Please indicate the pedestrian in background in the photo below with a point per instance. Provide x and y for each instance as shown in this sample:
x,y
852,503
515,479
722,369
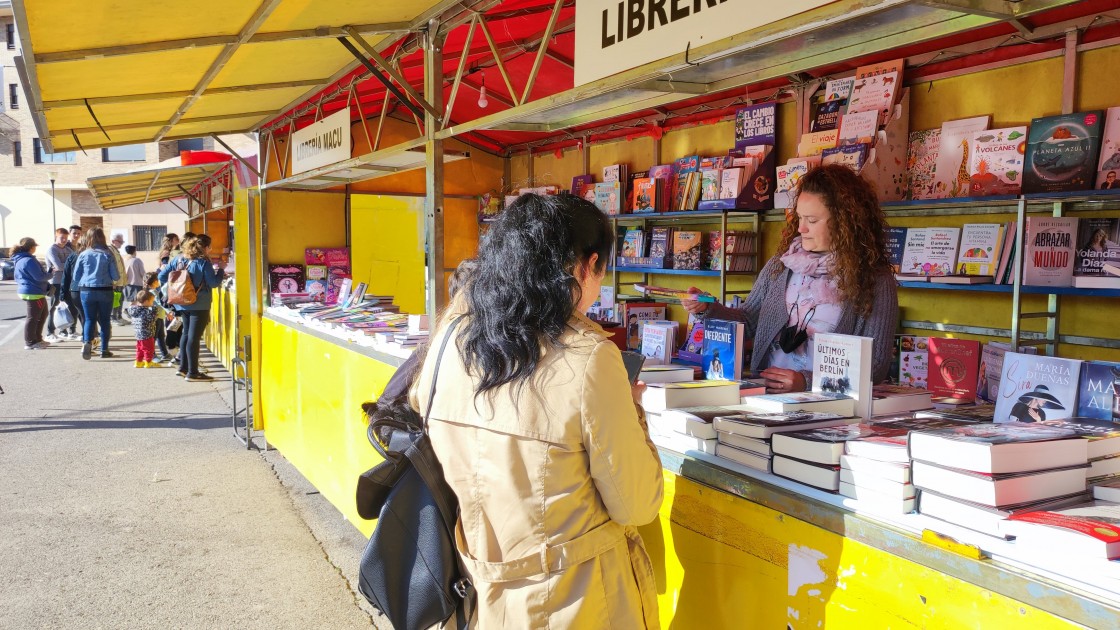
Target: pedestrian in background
x,y
170,244
151,283
134,274
196,260
32,285
95,274
69,290
75,234
119,283
143,314
59,251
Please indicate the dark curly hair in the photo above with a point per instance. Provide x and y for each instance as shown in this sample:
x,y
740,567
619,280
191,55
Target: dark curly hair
x,y
524,290
857,227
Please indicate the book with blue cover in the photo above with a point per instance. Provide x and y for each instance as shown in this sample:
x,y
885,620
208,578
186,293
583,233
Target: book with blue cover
x,y
721,356
896,243
1097,398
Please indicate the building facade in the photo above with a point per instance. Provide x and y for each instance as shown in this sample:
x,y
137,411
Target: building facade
x,y
29,207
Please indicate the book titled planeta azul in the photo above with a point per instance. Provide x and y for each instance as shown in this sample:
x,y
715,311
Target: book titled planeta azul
x,y
1062,152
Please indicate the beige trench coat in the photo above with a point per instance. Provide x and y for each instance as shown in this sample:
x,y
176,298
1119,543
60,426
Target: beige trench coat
x,y
552,481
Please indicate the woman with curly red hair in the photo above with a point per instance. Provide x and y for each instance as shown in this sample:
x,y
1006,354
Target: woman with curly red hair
x,y
831,275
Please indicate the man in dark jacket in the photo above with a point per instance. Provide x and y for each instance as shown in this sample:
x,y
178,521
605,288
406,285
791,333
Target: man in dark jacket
x,y
59,251
32,285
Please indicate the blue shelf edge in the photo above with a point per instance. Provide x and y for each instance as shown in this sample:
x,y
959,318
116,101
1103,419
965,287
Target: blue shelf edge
x,y
1086,195
677,272
683,214
1007,288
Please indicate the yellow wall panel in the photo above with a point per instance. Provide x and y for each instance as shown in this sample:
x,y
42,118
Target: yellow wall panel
x,y
387,249
987,93
1092,92
298,220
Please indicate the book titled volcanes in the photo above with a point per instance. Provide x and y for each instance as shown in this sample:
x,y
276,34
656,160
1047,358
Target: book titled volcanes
x,y
996,161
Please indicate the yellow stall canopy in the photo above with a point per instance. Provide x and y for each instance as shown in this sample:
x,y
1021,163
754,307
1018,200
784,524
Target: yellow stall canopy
x,y
167,180
113,72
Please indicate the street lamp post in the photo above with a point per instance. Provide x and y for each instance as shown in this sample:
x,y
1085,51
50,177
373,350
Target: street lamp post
x,y
54,215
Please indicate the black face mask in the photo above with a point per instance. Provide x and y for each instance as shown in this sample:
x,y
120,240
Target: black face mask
x,y
791,337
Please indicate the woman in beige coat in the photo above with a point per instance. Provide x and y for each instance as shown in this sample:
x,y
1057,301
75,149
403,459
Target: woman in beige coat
x,y
537,429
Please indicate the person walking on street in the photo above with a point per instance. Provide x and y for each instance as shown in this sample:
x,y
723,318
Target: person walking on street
x,y
134,274
143,314
196,316
119,284
32,285
59,251
69,290
95,274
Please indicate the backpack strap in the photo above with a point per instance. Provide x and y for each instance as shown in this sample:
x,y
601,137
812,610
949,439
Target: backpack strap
x,y
435,373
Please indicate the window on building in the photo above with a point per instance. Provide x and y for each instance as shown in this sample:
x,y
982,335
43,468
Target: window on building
x,y
42,157
126,153
11,29
17,153
148,238
13,95
193,144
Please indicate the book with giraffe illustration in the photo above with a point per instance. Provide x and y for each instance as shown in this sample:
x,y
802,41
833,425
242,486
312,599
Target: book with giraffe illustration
x,y
996,161
952,177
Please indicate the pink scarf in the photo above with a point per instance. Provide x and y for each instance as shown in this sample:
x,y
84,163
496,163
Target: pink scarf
x,y
817,268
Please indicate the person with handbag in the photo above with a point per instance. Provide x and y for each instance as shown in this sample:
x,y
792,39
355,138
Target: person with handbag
x,y
195,315
538,430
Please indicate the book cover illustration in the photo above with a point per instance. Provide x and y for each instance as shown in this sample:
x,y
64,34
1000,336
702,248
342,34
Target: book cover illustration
x,y
1097,397
634,313
659,240
645,195
813,143
852,155
996,162
682,169
883,67
842,365
710,183
1062,152
930,251
896,242
633,244
722,352
874,93
1108,170
952,176
954,368
285,278
979,250
613,173
839,89
580,184
1034,388
657,342
858,127
1049,254
489,206
787,177
1098,244
608,197
825,116
687,251
756,124
921,163
731,183
316,272
693,341
913,361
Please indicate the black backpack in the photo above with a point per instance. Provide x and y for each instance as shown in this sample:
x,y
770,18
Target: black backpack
x,y
411,570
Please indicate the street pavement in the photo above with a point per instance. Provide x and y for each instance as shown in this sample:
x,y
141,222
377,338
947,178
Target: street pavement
x,y
126,502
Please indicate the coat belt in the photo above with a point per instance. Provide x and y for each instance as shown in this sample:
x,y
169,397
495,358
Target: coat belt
x,y
551,559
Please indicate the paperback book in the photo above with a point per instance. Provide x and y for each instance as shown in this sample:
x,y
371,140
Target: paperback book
x,y
645,197
896,243
687,250
852,155
825,116
722,352
814,143
1034,388
660,239
764,425
1062,152
633,314
954,368
996,162
1048,256
756,124
874,93
682,169
1098,244
921,163
913,361
930,251
842,365
657,342
838,89
608,197
1108,170
1097,391
980,249
787,177
858,128
952,177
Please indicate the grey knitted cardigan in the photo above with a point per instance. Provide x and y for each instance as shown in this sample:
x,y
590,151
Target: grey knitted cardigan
x,y
765,315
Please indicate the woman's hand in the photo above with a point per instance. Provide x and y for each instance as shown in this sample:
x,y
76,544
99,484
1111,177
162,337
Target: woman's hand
x,y
636,390
693,306
783,381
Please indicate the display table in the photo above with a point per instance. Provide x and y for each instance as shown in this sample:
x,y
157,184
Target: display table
x,y
770,551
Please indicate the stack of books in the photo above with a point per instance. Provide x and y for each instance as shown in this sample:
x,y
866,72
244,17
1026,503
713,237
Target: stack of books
x,y
1103,438
891,399
1077,533
966,472
688,429
744,437
812,457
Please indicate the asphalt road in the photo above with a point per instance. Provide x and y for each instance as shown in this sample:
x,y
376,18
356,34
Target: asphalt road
x,y
125,502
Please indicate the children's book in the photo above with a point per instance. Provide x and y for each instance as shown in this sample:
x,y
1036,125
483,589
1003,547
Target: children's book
x,y
657,342
687,250
327,256
839,89
788,175
633,244
853,155
582,182
285,278
921,163
1108,170
710,184
858,127
633,314
722,351
1063,152
980,249
996,162
1048,255
646,195
814,143
825,116
952,176
874,93
1034,388
608,197
731,183
659,241
684,167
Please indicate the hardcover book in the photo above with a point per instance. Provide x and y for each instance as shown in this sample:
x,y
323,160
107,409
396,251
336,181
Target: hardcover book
x,y
722,352
756,124
645,198
693,341
710,183
999,448
1048,257
687,250
874,93
1034,388
758,191
921,163
858,127
666,176
842,365
608,197
787,177
825,116
317,289
657,342
683,169
853,156
327,256
913,361
814,143
952,177
801,401
580,183
954,368
633,314
839,89
1098,244
1108,170
1103,435
614,173
1062,152
896,243
764,425
823,446
996,161
285,278
316,272
1097,396
883,67
659,240
1091,529
633,243
980,248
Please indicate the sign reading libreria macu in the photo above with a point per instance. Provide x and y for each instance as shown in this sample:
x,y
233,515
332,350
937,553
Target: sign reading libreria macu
x,y
322,143
616,35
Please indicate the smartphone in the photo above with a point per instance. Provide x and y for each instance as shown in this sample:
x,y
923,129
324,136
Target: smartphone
x,y
633,362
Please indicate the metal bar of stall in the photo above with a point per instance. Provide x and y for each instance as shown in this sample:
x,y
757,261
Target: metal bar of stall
x,y
433,172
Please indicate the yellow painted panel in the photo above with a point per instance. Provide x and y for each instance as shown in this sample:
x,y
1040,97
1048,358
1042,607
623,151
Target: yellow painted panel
x,y
79,24
388,247
301,14
986,93
258,101
113,113
65,142
1092,92
292,60
312,391
298,220
709,547
130,74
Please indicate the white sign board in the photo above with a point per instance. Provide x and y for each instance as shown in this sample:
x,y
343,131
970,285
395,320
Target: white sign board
x,y
613,35
322,143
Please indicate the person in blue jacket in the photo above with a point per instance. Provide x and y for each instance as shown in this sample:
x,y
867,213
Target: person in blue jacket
x,y
32,286
94,274
196,317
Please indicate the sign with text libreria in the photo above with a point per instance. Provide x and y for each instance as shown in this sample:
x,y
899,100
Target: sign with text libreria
x,y
322,143
616,35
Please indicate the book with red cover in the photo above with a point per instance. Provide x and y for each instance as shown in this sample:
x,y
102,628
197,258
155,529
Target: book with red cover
x,y
1089,529
954,369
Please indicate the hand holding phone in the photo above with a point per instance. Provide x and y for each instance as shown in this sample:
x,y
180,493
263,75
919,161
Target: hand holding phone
x,y
633,362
